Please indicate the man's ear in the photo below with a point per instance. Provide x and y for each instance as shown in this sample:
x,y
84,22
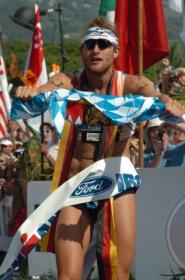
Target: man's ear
x,y
116,52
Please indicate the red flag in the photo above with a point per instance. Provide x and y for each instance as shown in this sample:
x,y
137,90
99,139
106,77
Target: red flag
x,y
36,65
35,69
155,40
5,103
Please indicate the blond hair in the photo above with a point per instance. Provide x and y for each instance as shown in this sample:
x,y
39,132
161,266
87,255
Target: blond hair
x,y
101,22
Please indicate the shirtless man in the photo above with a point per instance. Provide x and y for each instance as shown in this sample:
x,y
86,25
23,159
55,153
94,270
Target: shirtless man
x,y
99,48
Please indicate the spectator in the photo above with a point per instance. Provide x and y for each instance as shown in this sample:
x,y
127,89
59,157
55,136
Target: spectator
x,y
164,76
8,187
27,169
6,147
157,143
50,144
161,151
3,166
12,126
28,166
20,135
172,81
179,135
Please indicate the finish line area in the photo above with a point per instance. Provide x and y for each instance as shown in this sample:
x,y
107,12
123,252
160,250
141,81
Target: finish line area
x,y
160,204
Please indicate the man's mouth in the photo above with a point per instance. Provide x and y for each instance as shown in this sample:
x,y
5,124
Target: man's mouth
x,y
95,59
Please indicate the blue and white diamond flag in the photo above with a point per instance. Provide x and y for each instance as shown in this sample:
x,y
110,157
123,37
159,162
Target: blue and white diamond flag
x,y
128,109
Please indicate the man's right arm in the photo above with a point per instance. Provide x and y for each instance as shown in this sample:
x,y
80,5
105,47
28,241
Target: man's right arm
x,y
59,80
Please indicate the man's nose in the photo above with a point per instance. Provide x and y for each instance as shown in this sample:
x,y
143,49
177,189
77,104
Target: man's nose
x,y
96,48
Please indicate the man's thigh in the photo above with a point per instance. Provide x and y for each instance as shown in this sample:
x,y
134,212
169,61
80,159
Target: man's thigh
x,y
125,227
73,234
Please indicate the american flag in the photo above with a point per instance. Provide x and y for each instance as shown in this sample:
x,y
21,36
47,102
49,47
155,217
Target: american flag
x,y
4,98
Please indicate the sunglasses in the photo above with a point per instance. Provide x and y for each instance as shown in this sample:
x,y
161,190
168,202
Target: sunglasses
x,y
101,43
47,131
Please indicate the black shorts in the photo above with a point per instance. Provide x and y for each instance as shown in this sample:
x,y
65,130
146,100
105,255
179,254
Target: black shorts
x,y
93,212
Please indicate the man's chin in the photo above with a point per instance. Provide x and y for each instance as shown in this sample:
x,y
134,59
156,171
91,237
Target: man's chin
x,y
96,70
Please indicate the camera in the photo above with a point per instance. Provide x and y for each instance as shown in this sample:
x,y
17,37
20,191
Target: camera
x,y
160,135
18,152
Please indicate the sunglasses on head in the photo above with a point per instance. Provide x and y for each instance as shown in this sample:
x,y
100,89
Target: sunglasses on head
x,y
101,43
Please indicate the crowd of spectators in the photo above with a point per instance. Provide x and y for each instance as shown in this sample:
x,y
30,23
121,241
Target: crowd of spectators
x,y
24,158
163,144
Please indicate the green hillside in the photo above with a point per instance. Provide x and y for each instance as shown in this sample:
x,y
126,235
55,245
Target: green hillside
x,y
75,14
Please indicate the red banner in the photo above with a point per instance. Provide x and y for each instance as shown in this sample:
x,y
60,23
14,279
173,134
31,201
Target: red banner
x,y
36,61
155,40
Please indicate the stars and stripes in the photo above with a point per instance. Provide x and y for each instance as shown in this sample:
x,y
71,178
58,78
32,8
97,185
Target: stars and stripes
x,y
4,98
3,117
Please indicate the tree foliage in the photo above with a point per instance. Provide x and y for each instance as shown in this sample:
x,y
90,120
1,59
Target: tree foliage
x,y
52,54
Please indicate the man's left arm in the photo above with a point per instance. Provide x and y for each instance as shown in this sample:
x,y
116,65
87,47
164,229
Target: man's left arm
x,y
143,86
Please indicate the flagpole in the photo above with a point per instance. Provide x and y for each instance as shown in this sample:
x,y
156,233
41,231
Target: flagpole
x,y
140,73
61,36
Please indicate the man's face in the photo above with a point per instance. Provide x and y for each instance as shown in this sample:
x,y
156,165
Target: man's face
x,y
7,149
20,135
2,163
11,125
47,134
31,156
98,59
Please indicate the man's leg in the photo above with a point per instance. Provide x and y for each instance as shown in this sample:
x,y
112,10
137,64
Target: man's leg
x,y
73,234
125,227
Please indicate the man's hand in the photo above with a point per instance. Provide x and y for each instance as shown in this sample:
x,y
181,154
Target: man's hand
x,y
59,80
44,149
172,106
26,92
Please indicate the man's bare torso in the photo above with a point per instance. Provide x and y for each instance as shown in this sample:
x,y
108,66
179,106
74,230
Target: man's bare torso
x,y
85,152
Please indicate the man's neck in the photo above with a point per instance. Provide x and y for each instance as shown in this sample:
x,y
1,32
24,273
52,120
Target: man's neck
x,y
98,82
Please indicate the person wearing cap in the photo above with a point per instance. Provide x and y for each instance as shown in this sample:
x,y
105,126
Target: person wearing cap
x,y
162,148
6,147
99,48
157,141
6,142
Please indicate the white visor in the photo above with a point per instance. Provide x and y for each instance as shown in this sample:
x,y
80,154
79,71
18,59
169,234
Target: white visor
x,y
95,33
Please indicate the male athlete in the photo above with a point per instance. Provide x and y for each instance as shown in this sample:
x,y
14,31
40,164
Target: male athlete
x,y
99,48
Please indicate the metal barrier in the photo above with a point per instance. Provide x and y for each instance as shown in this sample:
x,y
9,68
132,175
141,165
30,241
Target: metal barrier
x,y
5,214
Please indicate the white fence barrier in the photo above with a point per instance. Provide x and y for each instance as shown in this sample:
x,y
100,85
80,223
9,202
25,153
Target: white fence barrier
x,y
5,213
